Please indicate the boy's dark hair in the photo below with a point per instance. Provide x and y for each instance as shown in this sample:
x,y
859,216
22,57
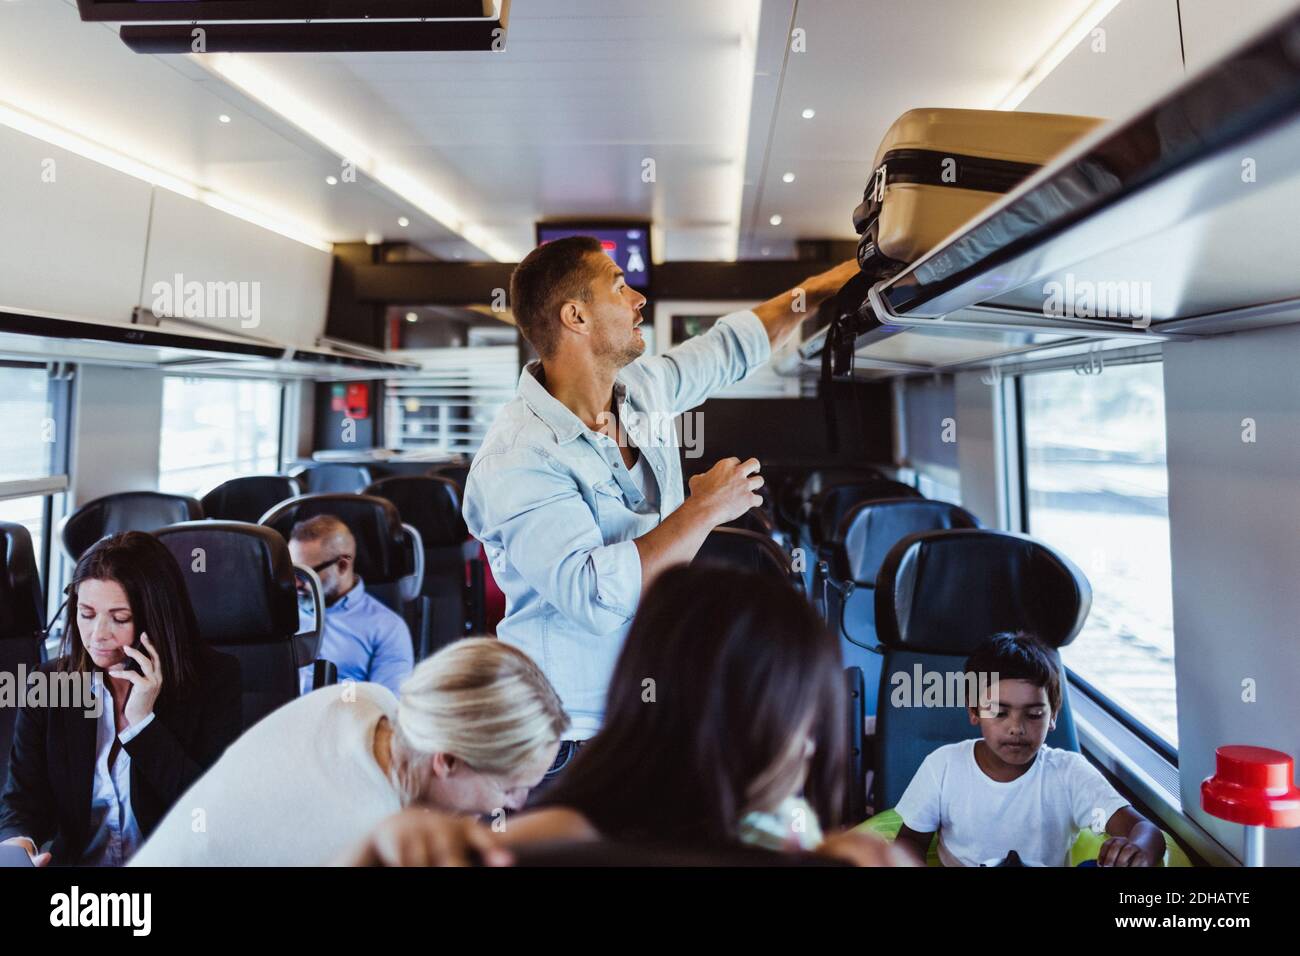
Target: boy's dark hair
x,y
549,276
1019,656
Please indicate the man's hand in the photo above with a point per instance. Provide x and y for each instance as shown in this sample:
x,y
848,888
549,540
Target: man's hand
x,y
727,490
421,837
782,314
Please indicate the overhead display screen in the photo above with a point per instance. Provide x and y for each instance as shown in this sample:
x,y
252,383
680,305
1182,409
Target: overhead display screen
x,y
626,244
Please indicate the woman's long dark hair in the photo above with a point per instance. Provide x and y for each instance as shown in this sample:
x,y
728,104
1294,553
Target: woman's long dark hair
x,y
160,605
739,663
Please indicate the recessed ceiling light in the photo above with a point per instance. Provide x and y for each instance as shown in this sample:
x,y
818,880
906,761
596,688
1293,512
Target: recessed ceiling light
x,y
224,118
333,181
767,250
776,219
411,317
788,178
809,113
403,221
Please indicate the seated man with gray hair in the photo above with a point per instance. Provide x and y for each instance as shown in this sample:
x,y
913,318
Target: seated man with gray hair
x,y
363,638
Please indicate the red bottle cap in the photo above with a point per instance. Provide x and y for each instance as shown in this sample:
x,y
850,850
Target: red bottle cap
x,y
1254,786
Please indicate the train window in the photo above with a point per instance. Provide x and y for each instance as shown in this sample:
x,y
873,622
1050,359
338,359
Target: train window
x,y
1096,487
214,429
28,440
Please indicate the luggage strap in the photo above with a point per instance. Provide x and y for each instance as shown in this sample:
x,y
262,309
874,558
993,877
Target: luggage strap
x,y
934,167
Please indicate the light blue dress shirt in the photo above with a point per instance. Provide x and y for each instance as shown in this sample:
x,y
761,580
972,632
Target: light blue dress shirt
x,y
364,639
557,510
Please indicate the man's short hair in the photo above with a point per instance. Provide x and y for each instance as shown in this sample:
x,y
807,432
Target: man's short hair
x,y
1018,656
548,277
328,530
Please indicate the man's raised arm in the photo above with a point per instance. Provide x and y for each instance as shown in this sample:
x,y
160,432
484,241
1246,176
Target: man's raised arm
x,y
782,314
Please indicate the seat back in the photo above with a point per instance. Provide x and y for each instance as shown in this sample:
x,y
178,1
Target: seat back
x,y
125,511
828,507
939,594
866,534
747,550
248,498
431,504
22,621
457,472
240,580
332,477
389,558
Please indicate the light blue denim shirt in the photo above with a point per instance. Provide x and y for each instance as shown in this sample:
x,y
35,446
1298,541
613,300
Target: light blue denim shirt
x,y
557,510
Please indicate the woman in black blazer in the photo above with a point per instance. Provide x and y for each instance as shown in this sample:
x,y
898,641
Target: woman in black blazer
x,y
97,775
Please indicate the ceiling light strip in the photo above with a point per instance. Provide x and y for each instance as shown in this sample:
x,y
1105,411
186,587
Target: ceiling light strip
x,y
47,132
1056,54
278,97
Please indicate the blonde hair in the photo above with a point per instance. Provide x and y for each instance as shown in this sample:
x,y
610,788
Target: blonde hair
x,y
480,700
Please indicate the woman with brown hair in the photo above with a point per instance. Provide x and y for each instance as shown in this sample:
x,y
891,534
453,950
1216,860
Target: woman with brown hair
x,y
95,778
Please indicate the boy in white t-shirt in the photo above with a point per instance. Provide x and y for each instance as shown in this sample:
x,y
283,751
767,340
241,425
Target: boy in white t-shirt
x,y
1005,791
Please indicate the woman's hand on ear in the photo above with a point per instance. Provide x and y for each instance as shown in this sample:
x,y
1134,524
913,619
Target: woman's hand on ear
x,y
146,685
422,837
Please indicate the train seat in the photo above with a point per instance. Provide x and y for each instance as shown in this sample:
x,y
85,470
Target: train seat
x,y
248,498
332,477
938,595
219,559
432,505
124,511
747,550
846,584
22,620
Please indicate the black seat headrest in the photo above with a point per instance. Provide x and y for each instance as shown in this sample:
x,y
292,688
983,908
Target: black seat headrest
x,y
456,472
333,477
820,479
828,507
383,554
429,503
240,580
944,592
125,511
21,614
248,498
871,528
747,550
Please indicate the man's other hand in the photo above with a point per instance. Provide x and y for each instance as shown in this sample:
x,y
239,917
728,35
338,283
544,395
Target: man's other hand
x,y
728,489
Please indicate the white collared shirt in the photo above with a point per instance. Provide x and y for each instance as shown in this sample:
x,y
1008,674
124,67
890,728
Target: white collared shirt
x,y
115,834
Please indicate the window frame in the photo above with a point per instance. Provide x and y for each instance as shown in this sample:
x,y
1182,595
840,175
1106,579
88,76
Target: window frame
x,y
1017,446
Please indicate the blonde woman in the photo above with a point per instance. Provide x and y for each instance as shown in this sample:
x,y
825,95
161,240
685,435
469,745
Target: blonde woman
x,y
476,729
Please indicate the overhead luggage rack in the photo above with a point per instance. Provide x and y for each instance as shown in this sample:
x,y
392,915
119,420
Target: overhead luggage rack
x,y
1181,220
171,345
